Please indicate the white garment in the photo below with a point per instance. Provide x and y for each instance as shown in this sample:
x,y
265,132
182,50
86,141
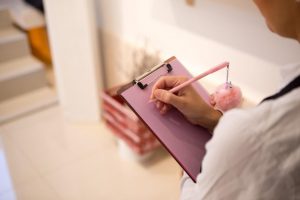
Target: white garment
x,y
254,153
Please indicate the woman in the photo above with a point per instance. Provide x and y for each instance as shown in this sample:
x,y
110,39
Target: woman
x,y
254,154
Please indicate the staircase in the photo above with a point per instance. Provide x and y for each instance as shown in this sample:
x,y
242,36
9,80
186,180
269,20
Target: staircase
x,y
23,84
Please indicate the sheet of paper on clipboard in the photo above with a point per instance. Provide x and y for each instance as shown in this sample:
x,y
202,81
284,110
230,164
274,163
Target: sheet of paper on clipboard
x,y
184,141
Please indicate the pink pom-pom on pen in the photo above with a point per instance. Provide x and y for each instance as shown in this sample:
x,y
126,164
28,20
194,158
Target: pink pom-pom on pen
x,y
226,97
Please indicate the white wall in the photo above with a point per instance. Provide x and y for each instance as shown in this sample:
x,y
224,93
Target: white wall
x,y
74,47
204,35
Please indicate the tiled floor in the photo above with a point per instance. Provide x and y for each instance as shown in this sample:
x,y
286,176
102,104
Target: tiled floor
x,y
44,157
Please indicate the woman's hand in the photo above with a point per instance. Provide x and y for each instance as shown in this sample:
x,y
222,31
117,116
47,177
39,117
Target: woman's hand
x,y
187,101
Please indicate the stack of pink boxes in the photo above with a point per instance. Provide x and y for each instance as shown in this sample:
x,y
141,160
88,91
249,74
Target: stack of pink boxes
x,y
126,125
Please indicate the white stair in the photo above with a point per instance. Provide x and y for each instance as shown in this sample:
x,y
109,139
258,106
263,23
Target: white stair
x,y
27,103
21,75
13,44
5,18
23,84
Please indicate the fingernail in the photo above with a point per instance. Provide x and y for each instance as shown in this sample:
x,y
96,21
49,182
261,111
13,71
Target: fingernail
x,y
158,105
164,108
163,111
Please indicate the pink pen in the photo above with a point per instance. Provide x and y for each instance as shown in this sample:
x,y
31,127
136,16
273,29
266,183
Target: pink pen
x,y
196,78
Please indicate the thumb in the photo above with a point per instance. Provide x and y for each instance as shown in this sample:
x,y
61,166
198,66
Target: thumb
x,y
167,97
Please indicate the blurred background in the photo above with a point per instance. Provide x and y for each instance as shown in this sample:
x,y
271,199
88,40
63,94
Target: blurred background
x,y
65,134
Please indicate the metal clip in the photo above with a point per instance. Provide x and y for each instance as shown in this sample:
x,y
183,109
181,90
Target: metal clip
x,y
138,79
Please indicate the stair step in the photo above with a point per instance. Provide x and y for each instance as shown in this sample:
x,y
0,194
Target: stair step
x,y
21,75
27,17
27,103
13,44
5,18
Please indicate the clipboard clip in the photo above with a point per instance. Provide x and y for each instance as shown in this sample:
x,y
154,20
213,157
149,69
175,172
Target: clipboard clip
x,y
144,85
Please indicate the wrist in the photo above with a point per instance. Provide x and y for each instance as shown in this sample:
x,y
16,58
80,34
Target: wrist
x,y
211,119
214,119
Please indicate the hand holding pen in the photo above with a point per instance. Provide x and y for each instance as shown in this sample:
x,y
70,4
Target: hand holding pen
x,y
177,91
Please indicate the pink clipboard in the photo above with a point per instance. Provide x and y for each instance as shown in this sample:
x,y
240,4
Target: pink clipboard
x,y
184,141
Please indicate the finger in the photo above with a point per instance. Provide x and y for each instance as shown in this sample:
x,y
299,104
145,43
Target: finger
x,y
165,109
167,82
168,97
159,105
212,100
160,84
